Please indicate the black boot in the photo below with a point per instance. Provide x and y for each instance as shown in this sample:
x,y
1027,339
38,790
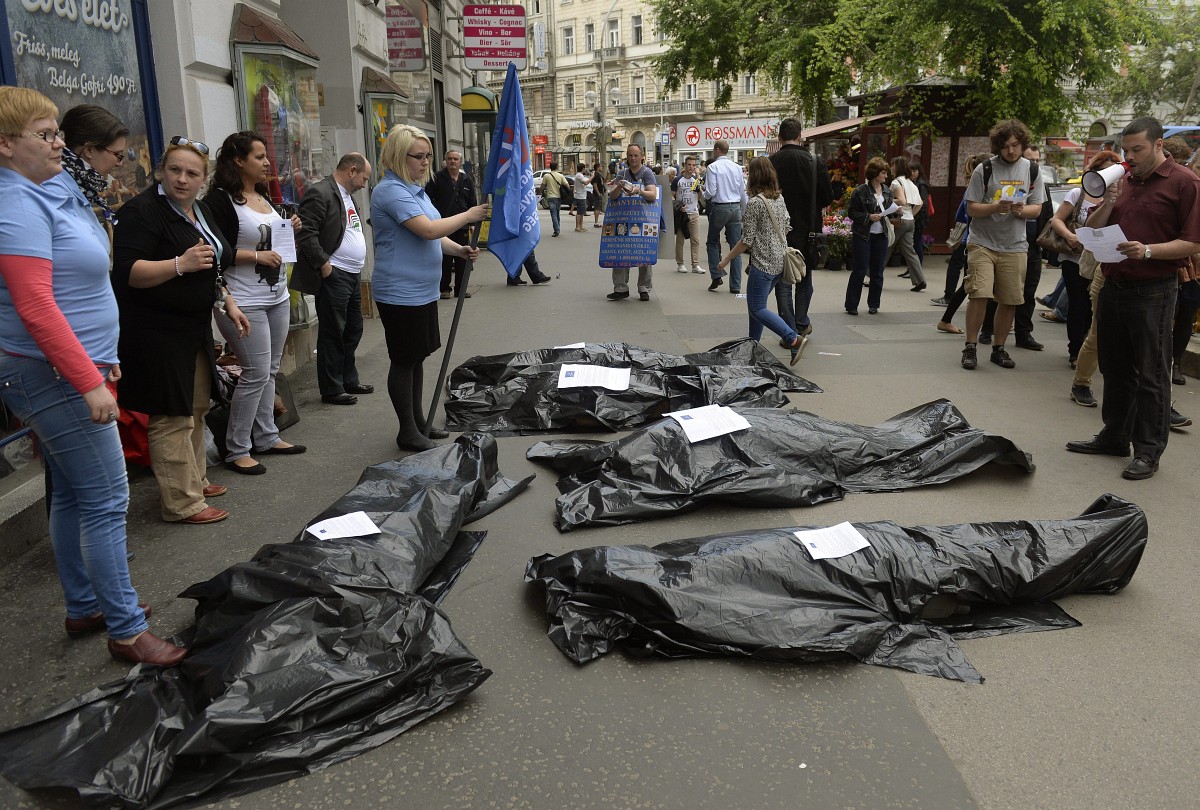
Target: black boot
x,y
400,389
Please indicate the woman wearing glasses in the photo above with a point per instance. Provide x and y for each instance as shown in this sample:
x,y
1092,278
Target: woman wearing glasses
x,y
410,238
96,144
167,263
58,346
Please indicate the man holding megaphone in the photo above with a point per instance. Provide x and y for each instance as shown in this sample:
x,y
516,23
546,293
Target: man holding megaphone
x,y
1158,209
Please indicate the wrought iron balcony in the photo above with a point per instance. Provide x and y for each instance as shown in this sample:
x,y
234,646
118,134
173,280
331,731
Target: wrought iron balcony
x,y
615,54
664,107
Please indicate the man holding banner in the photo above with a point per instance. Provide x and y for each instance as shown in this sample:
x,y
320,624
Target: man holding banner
x,y
635,180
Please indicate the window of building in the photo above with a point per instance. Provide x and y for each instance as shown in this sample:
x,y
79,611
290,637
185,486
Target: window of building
x,y
569,96
637,29
614,33
589,37
590,100
639,91
749,85
535,7
690,92
568,40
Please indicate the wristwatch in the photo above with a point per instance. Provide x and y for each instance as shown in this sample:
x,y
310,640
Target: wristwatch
x,y
1147,256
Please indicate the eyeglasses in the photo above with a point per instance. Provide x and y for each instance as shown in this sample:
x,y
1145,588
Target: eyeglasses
x,y
424,156
179,140
120,156
47,135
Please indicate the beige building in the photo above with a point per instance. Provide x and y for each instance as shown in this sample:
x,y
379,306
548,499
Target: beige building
x,y
590,44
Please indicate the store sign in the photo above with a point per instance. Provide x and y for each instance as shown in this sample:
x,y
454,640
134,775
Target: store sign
x,y
541,139
493,36
405,40
84,52
742,133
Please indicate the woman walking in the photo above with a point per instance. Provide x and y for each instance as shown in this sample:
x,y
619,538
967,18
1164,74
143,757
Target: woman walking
x,y
909,199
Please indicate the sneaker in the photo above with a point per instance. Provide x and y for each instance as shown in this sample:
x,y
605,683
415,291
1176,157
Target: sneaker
x,y
1178,420
716,282
797,349
969,358
698,269
985,338
805,330
1001,358
680,269
1027,342
617,296
1082,395
643,295
939,302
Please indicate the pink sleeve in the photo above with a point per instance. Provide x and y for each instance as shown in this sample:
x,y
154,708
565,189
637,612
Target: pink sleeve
x,y
30,281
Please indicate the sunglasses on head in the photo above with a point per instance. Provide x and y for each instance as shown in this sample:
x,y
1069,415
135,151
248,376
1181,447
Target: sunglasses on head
x,y
179,140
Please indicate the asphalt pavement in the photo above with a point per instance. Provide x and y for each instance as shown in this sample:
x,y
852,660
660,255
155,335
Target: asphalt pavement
x,y
1104,715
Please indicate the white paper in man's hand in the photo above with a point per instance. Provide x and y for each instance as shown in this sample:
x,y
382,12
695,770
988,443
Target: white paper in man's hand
x,y
711,420
832,541
582,376
1102,242
355,524
283,239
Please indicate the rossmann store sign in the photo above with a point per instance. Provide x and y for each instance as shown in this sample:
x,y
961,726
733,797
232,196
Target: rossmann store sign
x,y
742,133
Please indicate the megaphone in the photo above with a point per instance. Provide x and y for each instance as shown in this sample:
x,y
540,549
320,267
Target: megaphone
x,y
1096,182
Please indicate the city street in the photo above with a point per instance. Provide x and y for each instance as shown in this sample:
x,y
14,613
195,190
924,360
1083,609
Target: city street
x,y
1101,716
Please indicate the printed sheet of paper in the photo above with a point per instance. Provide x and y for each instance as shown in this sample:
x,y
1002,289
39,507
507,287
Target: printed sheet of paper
x,y
355,524
832,541
579,345
1102,242
711,420
581,376
283,239
891,209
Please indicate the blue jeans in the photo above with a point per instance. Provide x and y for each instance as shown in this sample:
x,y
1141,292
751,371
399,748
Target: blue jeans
x,y
758,288
867,259
1133,342
727,216
89,495
553,206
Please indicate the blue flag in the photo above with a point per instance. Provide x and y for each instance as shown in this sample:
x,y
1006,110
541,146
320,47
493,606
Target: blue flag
x,y
514,230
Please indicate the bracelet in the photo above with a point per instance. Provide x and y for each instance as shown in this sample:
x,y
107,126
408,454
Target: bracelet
x,y
256,257
178,272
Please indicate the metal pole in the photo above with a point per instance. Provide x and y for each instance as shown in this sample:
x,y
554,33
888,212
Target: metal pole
x,y
602,133
458,305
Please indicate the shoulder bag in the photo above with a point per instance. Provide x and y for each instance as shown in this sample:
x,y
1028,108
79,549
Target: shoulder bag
x,y
1050,239
794,268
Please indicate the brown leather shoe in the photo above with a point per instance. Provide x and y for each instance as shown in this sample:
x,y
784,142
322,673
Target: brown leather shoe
x,y
147,649
215,490
209,514
91,624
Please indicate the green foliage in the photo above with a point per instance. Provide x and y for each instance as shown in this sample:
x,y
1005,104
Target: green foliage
x,y
1016,54
1164,70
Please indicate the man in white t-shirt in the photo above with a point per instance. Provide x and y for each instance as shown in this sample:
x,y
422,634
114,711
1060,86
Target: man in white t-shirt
x,y
582,182
331,254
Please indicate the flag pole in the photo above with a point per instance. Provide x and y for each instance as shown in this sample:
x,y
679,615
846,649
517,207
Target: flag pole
x,y
458,306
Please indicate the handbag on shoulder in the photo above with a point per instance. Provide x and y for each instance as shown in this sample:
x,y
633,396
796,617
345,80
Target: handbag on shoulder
x,y
1050,239
794,268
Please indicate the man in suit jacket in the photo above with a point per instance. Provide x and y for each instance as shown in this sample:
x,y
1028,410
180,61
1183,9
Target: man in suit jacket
x,y
331,253
798,169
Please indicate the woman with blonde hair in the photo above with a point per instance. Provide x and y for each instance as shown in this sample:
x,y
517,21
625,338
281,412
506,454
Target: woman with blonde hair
x,y
764,233
58,349
410,238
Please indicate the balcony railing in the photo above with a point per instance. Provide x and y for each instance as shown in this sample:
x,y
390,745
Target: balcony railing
x,y
663,107
614,54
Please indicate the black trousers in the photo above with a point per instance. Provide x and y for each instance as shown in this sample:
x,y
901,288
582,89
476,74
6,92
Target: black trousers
x,y
339,329
1079,305
1133,342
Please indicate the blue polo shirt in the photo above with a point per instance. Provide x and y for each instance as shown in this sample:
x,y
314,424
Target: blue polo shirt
x,y
408,269
55,222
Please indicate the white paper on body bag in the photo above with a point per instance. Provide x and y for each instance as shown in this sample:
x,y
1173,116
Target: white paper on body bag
x,y
579,345
355,524
711,420
283,239
832,541
573,375
1102,242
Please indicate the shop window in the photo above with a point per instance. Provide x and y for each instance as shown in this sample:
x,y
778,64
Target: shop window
x,y
279,102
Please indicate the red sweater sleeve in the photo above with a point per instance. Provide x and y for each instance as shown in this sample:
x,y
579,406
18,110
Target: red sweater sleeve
x,y
30,281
